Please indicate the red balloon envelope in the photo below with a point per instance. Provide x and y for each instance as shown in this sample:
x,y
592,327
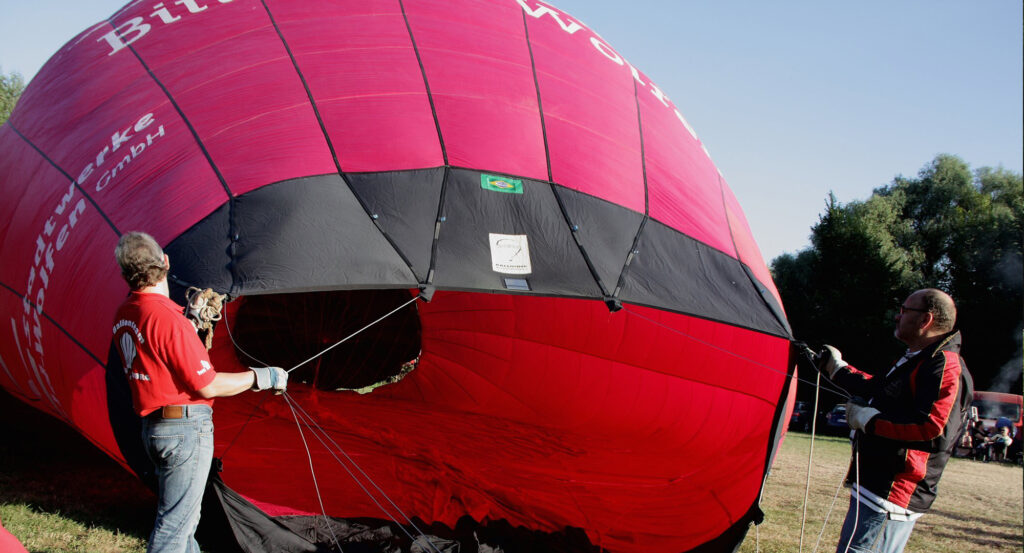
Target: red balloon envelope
x,y
603,362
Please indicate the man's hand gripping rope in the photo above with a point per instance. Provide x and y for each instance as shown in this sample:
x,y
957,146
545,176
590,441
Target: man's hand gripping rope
x,y
203,308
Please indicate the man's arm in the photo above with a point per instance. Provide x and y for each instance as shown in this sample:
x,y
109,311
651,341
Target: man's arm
x,y
937,386
854,381
228,384
830,362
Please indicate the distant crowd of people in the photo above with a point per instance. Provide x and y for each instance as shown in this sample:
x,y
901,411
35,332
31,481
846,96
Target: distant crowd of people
x,y
987,443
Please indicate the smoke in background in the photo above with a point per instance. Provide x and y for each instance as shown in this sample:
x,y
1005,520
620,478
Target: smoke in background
x,y
1013,370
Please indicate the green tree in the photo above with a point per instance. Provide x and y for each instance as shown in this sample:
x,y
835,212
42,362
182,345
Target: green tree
x,y
11,87
948,228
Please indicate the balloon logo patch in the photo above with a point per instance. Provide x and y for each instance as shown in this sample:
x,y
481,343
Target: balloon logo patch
x,y
510,254
501,184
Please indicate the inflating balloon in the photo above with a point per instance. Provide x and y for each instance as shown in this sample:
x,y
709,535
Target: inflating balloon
x,y
603,361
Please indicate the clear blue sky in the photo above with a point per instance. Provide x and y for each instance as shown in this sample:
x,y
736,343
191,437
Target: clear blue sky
x,y
792,98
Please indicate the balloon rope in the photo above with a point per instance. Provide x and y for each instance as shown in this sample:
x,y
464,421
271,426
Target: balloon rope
x,y
810,458
318,431
856,477
757,538
836,391
300,414
265,364
856,472
343,340
312,473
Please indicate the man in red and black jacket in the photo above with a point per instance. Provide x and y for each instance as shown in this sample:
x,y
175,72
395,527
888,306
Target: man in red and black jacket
x,y
907,420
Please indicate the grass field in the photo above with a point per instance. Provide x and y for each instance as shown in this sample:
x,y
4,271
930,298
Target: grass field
x,y
59,494
979,509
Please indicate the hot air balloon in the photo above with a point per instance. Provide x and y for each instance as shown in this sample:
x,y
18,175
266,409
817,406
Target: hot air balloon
x,y
565,311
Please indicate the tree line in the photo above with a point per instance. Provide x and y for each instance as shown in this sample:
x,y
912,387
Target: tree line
x,y
11,87
950,228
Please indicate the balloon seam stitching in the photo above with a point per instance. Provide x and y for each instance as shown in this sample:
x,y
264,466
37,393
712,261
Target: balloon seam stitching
x,y
233,234
574,229
330,143
70,179
438,222
633,252
54,322
426,82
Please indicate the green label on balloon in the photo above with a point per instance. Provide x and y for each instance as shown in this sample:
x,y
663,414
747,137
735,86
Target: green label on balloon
x,y
501,184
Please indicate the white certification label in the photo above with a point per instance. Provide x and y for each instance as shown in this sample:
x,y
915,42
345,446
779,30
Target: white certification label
x,y
510,254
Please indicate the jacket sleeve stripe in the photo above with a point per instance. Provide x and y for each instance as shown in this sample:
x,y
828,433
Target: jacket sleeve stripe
x,y
853,380
915,467
941,405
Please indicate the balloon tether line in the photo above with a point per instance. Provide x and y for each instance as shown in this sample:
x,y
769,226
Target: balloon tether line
x,y
317,431
265,364
310,423
312,473
345,339
838,390
810,458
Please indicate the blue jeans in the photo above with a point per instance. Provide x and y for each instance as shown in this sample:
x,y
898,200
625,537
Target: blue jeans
x,y
875,532
182,451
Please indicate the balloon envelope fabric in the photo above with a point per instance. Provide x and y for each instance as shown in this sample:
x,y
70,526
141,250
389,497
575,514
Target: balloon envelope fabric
x,y
604,355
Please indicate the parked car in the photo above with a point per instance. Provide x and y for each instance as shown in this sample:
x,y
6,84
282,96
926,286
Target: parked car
x,y
835,421
801,417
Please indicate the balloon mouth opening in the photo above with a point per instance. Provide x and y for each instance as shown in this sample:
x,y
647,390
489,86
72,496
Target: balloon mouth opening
x,y
286,330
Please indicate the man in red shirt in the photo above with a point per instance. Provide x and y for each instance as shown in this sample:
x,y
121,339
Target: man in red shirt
x,y
173,385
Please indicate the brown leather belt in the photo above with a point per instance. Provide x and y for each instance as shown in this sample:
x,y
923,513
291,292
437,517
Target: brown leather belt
x,y
173,412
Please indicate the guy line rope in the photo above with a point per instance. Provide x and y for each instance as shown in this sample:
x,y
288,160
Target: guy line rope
x,y
304,418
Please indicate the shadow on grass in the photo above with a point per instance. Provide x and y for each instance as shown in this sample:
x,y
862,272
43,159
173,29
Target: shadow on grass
x,y
997,541
53,469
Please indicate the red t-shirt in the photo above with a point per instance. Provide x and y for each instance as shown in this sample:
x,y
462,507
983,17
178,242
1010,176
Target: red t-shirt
x,y
165,361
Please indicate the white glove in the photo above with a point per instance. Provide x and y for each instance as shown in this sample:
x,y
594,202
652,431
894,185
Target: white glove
x,y
858,416
830,361
194,307
270,378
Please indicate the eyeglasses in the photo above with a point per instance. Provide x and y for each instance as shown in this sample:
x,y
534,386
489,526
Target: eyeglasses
x,y
904,308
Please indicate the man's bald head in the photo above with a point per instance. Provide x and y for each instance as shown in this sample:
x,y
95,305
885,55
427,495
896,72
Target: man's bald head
x,y
941,306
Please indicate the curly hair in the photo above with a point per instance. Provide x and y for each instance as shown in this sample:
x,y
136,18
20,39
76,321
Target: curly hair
x,y
141,260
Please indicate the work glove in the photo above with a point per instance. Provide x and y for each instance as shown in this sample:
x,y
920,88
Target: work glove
x,y
268,378
859,415
829,361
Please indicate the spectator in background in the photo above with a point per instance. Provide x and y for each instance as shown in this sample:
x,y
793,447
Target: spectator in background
x,y
981,442
1000,444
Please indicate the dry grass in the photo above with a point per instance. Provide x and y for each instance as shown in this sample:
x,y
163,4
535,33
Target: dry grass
x,y
59,494
979,509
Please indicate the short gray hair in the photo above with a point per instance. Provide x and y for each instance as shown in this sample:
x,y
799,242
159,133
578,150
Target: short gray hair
x,y
942,308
